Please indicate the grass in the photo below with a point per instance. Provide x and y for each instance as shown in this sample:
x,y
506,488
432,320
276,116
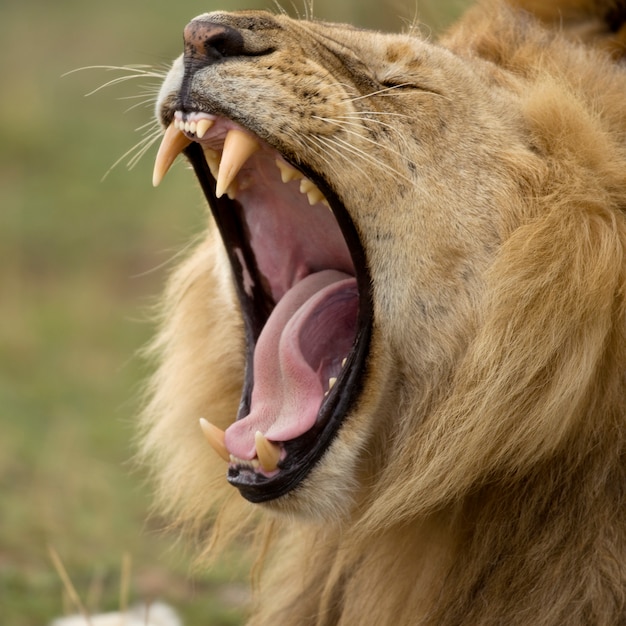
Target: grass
x,y
81,262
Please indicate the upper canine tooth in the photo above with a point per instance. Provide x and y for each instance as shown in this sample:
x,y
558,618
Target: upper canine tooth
x,y
202,127
215,437
172,144
267,452
239,146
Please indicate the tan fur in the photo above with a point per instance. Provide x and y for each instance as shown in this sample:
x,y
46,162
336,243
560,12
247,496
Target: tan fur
x,y
481,477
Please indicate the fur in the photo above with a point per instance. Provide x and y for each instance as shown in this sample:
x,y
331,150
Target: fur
x,y
481,477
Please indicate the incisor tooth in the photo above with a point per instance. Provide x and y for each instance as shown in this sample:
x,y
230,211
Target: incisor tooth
x,y
239,146
215,437
202,127
267,452
331,382
172,144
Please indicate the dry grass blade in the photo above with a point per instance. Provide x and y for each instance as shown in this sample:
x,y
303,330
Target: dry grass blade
x,y
67,583
125,582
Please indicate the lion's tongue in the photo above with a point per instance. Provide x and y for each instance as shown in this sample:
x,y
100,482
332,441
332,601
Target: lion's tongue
x,y
303,342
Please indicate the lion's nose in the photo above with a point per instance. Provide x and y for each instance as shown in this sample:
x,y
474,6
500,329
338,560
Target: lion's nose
x,y
207,42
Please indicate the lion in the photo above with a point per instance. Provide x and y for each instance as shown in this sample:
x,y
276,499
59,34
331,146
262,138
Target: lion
x,y
404,332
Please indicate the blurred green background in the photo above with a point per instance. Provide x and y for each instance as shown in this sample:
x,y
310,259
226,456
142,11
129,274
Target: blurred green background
x,y
83,258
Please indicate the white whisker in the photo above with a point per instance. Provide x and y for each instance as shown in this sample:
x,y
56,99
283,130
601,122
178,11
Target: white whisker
x,y
365,119
376,93
367,114
361,137
345,148
329,145
132,72
148,103
280,8
145,98
152,132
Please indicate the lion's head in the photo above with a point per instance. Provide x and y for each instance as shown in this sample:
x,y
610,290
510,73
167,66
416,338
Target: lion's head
x,y
411,297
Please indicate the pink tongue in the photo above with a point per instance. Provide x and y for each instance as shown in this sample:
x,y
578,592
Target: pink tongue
x,y
313,321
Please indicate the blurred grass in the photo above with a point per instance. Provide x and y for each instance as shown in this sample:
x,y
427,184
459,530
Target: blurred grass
x,y
81,261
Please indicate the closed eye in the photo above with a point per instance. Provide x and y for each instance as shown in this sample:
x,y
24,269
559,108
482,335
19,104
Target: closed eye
x,y
398,84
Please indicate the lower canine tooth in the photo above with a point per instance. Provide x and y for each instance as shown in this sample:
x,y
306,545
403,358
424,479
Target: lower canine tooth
x,y
267,452
215,437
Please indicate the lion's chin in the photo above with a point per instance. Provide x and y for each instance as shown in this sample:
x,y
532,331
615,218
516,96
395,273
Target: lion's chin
x,y
304,292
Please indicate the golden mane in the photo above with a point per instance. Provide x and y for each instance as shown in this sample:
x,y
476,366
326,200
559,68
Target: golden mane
x,y
490,484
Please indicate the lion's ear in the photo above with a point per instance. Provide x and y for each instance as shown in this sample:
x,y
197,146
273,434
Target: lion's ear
x,y
550,342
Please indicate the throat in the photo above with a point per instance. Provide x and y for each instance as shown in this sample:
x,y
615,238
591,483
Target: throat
x,y
297,358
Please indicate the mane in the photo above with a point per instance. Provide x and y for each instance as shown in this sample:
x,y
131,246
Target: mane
x,y
531,424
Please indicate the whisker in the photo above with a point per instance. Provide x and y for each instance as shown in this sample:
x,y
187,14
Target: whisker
x,y
365,118
367,114
347,147
326,144
341,120
387,92
369,159
296,10
150,94
376,93
132,72
280,8
325,158
146,103
348,131
143,70
116,81
145,98
138,150
132,162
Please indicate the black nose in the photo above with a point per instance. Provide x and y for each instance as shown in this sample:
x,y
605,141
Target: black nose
x,y
207,42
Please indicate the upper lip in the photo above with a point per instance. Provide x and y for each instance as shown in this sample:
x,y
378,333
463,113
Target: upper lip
x,y
235,168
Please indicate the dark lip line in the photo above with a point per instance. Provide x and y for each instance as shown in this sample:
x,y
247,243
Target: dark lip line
x,y
303,452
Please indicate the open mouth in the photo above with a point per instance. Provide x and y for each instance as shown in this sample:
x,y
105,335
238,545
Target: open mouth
x,y
304,291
